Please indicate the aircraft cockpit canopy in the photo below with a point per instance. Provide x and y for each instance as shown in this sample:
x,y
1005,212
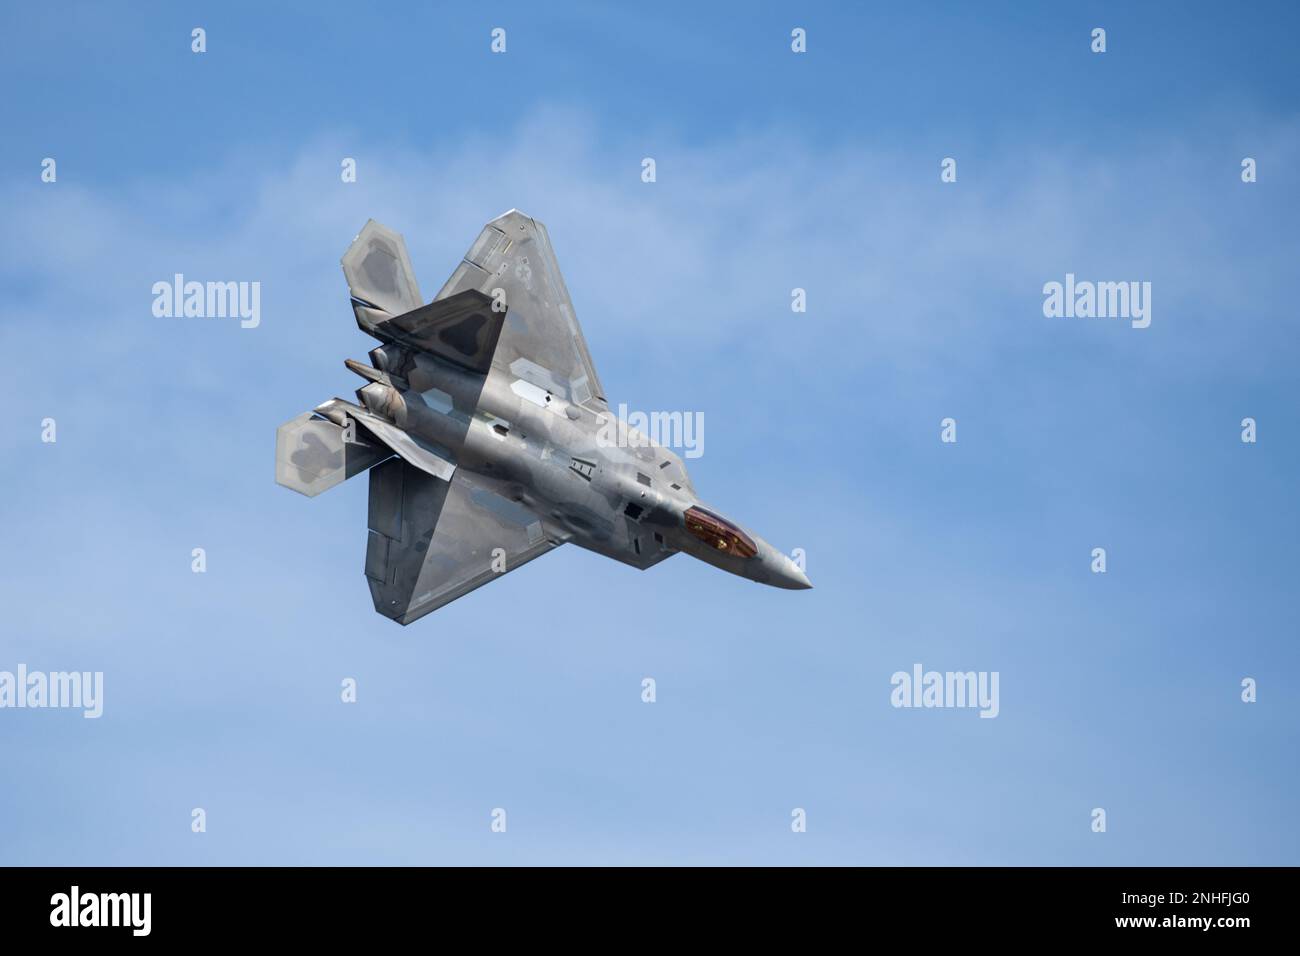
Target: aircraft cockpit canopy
x,y
719,533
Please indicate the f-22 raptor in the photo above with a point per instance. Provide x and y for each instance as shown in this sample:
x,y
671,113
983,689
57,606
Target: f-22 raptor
x,y
487,435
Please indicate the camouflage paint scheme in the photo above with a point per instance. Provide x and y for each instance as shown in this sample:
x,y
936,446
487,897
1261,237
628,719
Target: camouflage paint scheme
x,y
485,430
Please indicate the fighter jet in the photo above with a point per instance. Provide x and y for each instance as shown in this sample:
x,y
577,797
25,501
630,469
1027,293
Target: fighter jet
x,y
487,435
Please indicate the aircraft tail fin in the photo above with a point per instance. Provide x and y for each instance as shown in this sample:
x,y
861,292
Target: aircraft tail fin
x,y
380,277
462,328
313,453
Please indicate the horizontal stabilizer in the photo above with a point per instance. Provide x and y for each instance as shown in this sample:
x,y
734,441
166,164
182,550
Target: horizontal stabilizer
x,y
462,328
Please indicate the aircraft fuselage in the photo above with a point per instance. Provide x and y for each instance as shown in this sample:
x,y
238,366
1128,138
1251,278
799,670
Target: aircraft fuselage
x,y
556,458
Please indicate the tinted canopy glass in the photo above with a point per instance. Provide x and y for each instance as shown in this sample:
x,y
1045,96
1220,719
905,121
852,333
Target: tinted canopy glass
x,y
719,533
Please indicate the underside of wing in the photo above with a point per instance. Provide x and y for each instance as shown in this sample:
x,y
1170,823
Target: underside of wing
x,y
432,541
513,262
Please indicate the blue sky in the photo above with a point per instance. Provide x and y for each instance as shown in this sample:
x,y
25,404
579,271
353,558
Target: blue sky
x,y
775,171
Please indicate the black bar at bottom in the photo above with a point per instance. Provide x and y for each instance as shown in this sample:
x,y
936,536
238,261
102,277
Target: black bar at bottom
x,y
331,904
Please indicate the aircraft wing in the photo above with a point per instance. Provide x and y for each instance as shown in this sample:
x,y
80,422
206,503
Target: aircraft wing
x,y
541,342
432,541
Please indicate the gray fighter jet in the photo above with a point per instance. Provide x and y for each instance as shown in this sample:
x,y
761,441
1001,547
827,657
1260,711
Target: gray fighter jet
x,y
487,435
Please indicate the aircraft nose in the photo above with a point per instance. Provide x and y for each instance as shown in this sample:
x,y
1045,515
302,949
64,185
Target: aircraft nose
x,y
799,580
783,572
